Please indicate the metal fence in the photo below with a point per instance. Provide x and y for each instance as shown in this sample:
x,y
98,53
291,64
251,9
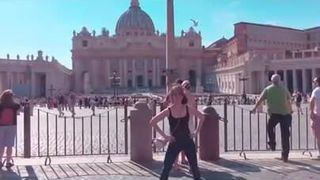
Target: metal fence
x,y
245,131
46,134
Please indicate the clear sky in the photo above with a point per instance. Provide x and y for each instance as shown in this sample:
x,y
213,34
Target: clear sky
x,y
29,25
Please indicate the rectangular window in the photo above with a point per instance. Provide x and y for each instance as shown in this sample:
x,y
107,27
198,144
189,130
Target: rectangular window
x,y
84,43
163,81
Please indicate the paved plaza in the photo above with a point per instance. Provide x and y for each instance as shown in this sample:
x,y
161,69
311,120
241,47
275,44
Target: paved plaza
x,y
229,167
67,136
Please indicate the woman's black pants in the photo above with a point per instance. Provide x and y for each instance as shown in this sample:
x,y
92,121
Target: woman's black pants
x,y
184,144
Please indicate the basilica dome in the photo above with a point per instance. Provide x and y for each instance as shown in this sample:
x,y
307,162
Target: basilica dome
x,y
135,22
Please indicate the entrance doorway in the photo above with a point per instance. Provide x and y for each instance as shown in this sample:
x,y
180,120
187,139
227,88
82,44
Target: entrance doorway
x,y
140,81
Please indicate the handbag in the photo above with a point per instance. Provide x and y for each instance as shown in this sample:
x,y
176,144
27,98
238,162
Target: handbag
x,y
159,143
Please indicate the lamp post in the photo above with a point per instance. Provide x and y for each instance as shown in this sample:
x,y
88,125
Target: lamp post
x,y
244,96
115,80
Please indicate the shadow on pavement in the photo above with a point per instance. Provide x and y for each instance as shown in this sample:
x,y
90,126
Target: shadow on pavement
x,y
155,168
306,167
9,174
237,166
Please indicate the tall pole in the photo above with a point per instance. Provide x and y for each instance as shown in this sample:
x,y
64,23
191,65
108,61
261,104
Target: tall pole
x,y
170,45
244,96
243,79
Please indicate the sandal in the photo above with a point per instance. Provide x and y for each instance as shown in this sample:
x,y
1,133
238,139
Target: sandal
x,y
9,165
176,167
185,162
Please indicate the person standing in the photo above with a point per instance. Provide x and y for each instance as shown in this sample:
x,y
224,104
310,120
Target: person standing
x,y
279,110
72,103
191,102
298,100
60,105
8,126
180,138
315,112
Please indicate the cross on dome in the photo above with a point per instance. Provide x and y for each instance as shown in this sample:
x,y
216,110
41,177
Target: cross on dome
x,y
135,3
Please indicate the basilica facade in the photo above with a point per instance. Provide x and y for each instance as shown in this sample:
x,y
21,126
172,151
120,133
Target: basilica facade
x,y
135,56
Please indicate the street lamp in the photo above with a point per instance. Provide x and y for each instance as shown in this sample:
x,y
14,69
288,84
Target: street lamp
x,y
244,96
115,82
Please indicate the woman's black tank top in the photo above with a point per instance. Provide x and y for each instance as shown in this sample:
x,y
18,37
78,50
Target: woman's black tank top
x,y
179,127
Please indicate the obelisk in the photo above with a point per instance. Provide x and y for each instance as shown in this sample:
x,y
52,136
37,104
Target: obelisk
x,y
170,46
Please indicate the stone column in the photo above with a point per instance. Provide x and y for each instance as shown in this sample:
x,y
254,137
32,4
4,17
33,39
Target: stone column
x,y
146,74
125,75
294,78
15,79
9,80
33,84
262,81
50,81
199,73
285,81
170,44
159,72
134,73
304,81
108,74
314,73
209,136
120,72
154,73
141,133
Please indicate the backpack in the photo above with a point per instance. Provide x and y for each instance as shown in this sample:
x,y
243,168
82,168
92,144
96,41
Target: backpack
x,y
299,98
7,117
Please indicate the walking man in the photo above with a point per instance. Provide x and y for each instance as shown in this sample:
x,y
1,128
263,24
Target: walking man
x,y
279,110
315,111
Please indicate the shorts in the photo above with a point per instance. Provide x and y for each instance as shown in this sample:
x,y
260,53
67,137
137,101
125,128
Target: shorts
x,y
316,127
7,136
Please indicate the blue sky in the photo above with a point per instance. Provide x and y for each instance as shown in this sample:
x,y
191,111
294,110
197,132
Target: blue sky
x,y
29,25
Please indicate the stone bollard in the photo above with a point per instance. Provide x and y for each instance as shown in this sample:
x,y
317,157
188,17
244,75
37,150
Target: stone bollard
x,y
27,131
141,133
209,135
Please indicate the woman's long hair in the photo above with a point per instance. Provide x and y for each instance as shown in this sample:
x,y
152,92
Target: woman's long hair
x,y
6,97
177,89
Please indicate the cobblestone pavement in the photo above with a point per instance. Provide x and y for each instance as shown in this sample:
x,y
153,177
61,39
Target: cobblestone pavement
x,y
224,169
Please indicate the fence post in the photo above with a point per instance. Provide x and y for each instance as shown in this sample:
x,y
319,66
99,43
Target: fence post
x,y
225,124
141,133
126,126
27,131
154,112
209,135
